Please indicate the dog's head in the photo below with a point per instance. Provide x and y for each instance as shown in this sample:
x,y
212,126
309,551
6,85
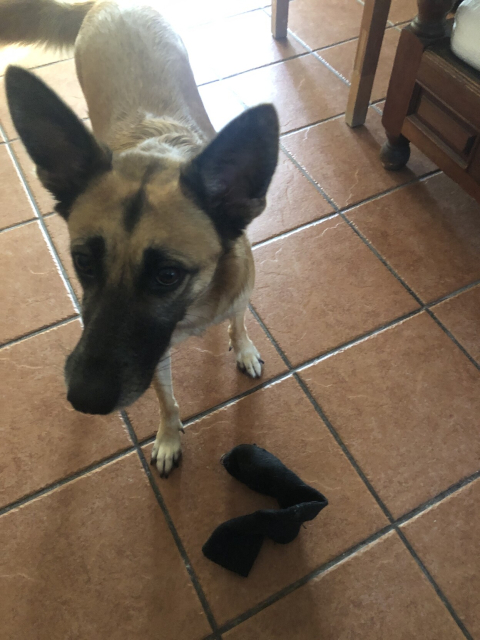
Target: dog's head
x,y
147,230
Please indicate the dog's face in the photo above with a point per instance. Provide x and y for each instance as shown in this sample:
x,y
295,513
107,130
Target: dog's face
x,y
147,231
143,252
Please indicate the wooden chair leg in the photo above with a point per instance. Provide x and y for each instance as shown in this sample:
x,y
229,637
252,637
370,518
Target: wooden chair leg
x,y
374,22
279,18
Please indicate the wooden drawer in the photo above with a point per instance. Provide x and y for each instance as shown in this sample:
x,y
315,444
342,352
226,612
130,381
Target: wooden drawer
x,y
443,125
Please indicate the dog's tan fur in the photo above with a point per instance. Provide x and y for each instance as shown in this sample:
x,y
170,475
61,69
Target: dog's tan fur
x,y
144,105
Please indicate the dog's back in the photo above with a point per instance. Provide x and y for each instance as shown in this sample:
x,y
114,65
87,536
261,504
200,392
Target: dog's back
x,y
130,62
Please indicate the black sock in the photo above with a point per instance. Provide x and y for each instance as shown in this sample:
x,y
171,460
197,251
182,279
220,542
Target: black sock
x,y
236,543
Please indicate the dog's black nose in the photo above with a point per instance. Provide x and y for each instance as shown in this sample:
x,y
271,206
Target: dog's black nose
x,y
93,394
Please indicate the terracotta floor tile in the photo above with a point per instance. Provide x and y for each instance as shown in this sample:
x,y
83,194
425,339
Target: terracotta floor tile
x,y
380,593
428,232
292,201
321,287
44,200
320,23
29,57
222,105
14,204
200,494
44,439
32,292
58,230
238,44
345,161
446,539
62,78
95,559
342,57
461,316
293,87
204,375
403,10
406,403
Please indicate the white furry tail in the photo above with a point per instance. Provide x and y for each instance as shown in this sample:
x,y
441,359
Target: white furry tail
x,y
44,22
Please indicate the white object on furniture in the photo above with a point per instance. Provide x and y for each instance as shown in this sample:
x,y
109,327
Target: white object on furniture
x,y
465,40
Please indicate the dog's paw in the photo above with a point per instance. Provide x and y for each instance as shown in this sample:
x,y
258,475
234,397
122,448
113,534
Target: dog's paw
x,y
167,452
249,361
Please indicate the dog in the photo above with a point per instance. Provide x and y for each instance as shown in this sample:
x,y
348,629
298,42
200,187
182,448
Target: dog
x,y
155,201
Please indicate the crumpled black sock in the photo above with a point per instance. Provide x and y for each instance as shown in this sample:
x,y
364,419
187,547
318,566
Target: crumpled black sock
x,y
235,544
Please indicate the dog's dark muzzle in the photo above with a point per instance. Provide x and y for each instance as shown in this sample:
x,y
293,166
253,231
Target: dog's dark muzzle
x,y
115,359
93,386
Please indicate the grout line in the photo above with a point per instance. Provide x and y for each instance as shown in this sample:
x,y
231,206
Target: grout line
x,y
344,448
226,403
171,525
305,173
430,579
304,127
426,506
60,483
332,69
382,259
308,51
448,296
453,339
315,52
37,332
19,224
352,343
291,232
337,210
43,227
302,54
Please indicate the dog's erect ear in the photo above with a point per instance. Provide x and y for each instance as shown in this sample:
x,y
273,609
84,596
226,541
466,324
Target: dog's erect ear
x,y
230,177
65,152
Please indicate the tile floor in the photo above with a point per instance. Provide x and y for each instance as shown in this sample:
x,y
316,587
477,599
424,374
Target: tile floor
x,y
367,312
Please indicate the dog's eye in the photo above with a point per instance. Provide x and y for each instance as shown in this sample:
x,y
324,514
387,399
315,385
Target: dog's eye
x,y
168,276
84,264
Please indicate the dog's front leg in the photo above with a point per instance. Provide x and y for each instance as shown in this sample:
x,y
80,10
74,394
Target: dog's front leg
x,y
167,449
248,358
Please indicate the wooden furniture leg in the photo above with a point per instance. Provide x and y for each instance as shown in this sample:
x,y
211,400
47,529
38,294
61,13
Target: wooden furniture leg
x,y
428,26
279,18
374,22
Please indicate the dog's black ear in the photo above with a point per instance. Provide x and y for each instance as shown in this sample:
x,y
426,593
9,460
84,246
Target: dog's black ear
x,y
66,154
230,177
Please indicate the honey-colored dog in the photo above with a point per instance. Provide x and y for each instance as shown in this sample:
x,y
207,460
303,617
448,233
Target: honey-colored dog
x,y
156,203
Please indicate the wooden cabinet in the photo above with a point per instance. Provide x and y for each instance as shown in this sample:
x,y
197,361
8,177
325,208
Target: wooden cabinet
x,y
433,100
